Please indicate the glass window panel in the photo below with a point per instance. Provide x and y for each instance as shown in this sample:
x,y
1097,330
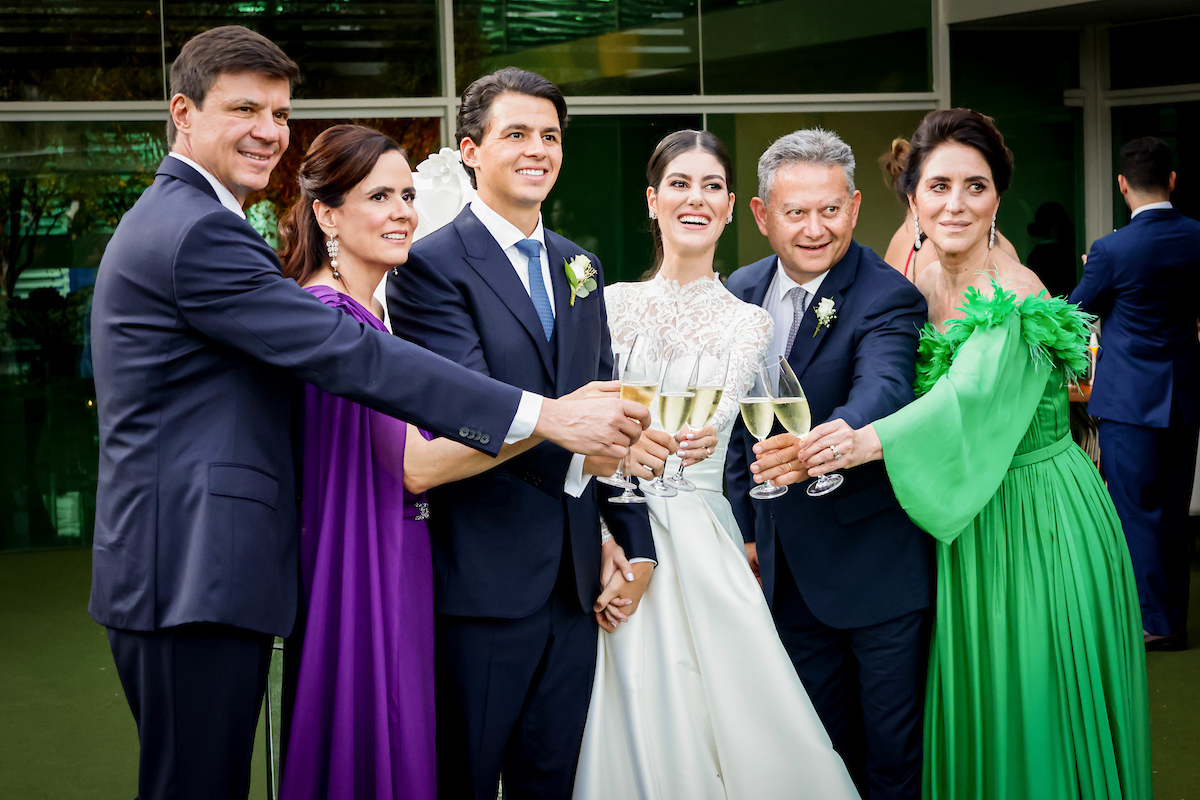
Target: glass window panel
x,y
793,46
1177,124
1172,44
65,186
345,48
599,201
869,134
80,50
587,47
1044,205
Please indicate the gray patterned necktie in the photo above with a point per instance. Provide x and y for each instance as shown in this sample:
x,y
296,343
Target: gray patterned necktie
x,y
799,299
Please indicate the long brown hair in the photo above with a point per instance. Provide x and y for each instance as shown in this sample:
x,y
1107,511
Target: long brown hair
x,y
671,147
339,159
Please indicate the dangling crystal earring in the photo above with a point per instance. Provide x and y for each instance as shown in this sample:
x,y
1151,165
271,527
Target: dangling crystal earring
x,y
992,234
653,214
916,232
729,220
332,247
395,270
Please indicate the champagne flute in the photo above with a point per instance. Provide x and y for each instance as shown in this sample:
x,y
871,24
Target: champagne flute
x,y
618,478
759,417
711,371
676,394
639,384
791,408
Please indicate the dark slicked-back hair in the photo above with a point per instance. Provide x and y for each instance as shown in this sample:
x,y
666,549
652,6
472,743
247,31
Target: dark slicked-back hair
x,y
670,148
958,126
474,114
339,159
229,49
1146,164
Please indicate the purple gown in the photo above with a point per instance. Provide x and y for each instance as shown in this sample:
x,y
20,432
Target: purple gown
x,y
362,722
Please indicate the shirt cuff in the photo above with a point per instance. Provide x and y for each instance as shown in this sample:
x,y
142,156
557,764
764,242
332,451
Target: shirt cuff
x,y
576,481
643,560
525,420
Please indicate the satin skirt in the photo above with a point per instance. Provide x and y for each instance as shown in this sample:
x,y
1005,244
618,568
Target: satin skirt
x,y
695,697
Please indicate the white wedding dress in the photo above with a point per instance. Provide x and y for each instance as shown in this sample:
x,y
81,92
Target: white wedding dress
x,y
695,697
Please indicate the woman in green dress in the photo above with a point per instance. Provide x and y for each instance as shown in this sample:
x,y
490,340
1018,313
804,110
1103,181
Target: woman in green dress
x,y
1037,677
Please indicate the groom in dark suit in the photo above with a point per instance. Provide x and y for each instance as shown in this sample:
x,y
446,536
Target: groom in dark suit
x,y
198,341
848,576
517,551
1144,283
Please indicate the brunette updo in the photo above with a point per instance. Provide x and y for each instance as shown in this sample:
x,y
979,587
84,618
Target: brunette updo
x,y
892,163
339,159
670,148
958,126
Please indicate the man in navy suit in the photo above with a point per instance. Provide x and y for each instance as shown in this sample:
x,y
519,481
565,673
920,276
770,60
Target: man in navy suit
x,y
1143,282
197,342
847,575
516,552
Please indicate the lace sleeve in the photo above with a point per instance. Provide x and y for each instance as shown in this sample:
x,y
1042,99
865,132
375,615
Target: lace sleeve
x,y
750,340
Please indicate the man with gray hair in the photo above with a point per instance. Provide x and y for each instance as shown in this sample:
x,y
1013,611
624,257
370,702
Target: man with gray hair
x,y
847,575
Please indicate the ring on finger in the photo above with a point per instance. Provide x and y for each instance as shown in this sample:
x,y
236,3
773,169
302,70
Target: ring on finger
x,y
836,455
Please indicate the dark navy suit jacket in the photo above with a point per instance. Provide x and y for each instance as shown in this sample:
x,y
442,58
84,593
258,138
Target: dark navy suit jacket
x,y
197,339
498,537
1143,281
857,558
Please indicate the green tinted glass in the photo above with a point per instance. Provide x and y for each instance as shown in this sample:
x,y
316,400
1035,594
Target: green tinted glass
x,y
80,50
587,47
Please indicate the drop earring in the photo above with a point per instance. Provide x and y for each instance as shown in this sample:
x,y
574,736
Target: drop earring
x,y
332,247
916,232
992,234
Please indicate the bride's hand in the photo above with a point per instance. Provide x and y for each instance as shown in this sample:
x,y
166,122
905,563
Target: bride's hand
x,y
695,446
603,390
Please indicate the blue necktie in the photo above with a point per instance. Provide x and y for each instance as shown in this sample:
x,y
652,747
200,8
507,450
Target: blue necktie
x,y
532,249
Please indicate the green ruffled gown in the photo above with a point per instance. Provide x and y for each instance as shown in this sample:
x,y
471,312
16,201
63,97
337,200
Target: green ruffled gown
x,y
1037,676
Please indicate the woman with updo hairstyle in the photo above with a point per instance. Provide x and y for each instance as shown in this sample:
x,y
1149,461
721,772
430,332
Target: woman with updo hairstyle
x,y
672,713
904,251
1037,675
358,670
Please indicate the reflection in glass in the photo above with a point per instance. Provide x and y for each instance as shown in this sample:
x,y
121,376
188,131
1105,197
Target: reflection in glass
x,y
599,201
80,50
63,188
797,47
344,48
587,47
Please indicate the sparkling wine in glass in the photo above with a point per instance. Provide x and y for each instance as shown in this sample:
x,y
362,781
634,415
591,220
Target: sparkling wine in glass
x,y
711,371
676,394
791,408
759,416
618,478
639,384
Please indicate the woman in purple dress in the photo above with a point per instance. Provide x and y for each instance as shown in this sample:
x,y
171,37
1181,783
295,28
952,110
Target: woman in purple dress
x,y
361,722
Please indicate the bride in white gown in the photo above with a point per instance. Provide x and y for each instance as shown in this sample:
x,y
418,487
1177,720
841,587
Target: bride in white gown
x,y
694,695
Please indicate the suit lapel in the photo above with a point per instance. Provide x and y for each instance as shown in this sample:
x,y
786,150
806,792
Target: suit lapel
x,y
486,258
808,337
758,291
566,326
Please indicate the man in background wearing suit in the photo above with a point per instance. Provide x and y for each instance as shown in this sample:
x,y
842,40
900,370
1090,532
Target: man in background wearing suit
x,y
197,342
847,575
1143,282
517,551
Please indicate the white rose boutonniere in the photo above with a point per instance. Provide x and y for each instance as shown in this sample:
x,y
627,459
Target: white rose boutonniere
x,y
825,314
581,276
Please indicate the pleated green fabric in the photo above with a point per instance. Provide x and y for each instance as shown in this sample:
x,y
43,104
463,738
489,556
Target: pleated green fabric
x,y
1037,677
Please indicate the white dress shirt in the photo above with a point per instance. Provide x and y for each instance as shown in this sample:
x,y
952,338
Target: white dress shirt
x,y
507,235
1151,207
223,194
779,305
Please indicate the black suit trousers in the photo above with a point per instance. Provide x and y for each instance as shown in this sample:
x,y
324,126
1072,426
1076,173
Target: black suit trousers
x,y
1149,474
867,685
195,692
512,698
